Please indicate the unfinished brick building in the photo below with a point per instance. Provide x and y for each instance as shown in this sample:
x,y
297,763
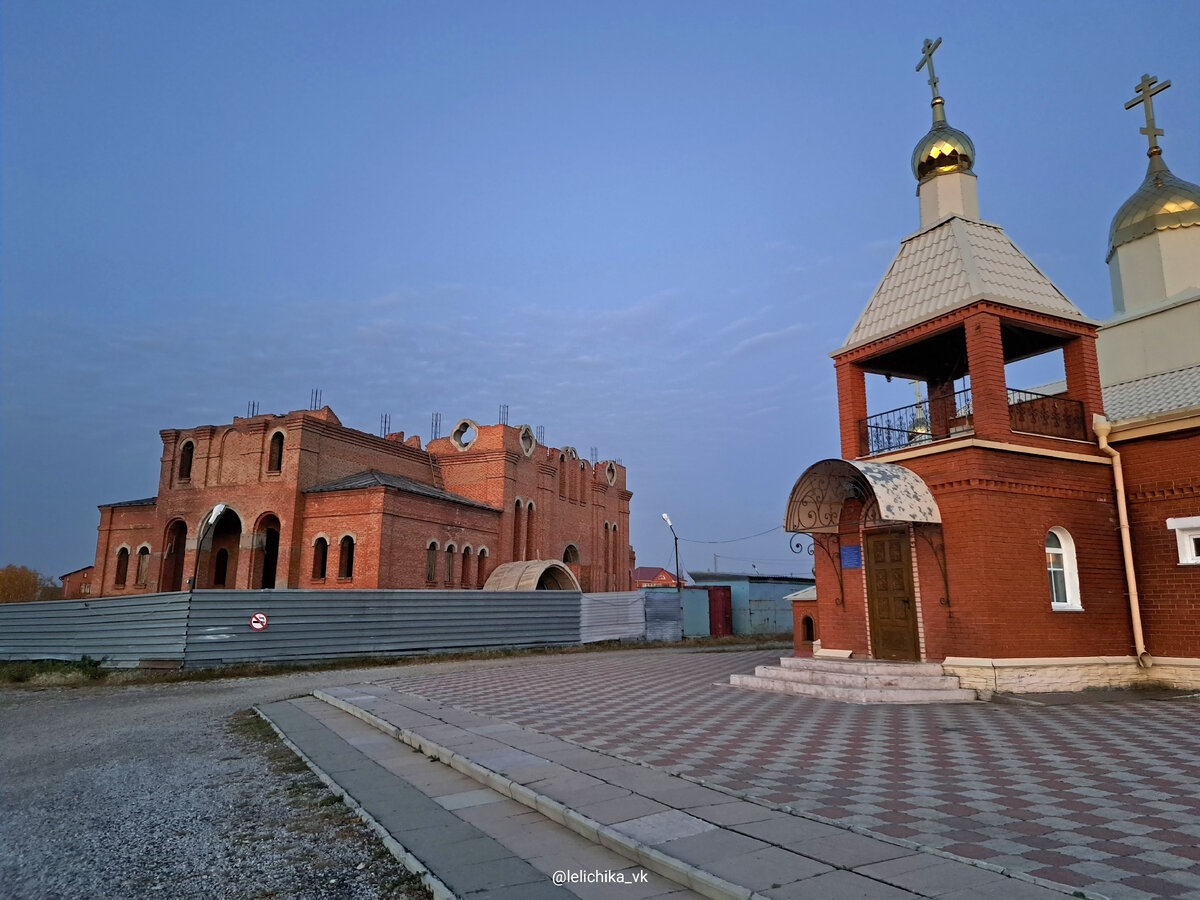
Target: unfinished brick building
x,y
1052,534
305,502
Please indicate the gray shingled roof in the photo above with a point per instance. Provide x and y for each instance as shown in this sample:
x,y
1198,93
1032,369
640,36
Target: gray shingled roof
x,y
949,266
1178,389
374,478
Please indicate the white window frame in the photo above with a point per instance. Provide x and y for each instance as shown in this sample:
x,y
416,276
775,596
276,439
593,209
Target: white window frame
x,y
1073,602
1187,533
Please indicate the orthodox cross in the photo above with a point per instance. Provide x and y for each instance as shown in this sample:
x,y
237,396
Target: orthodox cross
x,y
1146,89
927,60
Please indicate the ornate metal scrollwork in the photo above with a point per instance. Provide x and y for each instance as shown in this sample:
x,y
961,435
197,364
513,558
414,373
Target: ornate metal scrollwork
x,y
816,502
831,546
935,540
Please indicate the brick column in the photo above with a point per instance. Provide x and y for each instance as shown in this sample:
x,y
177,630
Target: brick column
x,y
1083,377
941,407
985,362
852,408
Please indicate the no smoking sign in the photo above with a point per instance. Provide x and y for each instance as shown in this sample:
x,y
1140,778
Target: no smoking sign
x,y
258,621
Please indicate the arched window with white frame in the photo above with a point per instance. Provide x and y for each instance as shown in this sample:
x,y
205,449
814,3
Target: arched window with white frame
x,y
431,553
1063,570
143,566
320,559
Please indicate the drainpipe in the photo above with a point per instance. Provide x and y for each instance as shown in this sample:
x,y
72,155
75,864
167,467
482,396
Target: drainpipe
x,y
1102,427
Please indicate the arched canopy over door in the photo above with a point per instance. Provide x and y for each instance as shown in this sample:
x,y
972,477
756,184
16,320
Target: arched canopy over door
x,y
532,575
888,493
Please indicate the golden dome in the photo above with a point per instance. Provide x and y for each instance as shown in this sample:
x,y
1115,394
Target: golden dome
x,y
943,149
1163,201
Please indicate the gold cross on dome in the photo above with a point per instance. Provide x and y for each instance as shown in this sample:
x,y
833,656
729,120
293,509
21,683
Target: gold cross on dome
x,y
1146,89
927,60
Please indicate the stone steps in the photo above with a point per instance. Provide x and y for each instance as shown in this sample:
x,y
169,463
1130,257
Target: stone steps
x,y
860,667
861,681
858,681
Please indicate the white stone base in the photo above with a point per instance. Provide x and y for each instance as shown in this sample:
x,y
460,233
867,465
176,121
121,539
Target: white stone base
x,y
820,652
1071,673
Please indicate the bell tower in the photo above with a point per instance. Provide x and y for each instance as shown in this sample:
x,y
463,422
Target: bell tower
x,y
958,303
967,487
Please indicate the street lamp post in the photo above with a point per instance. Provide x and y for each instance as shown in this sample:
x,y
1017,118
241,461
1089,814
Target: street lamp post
x,y
206,527
678,581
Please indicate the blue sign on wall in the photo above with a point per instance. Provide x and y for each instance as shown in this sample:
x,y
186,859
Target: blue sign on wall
x,y
852,557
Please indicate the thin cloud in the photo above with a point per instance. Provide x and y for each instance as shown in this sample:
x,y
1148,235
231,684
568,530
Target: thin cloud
x,y
764,340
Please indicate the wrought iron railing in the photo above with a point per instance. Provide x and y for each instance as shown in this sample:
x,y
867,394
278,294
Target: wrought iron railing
x,y
1043,414
918,423
922,422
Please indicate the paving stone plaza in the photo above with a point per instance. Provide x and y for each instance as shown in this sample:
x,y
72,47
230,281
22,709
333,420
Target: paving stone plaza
x,y
1102,797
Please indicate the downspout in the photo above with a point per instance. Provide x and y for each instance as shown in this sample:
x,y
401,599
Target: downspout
x,y
1102,427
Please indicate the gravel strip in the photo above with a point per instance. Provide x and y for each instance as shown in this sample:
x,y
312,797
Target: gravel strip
x,y
165,791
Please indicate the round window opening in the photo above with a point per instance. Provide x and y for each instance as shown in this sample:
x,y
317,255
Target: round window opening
x,y
528,442
610,473
464,434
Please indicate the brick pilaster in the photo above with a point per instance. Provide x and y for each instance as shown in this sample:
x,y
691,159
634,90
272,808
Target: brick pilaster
x,y
985,362
852,407
1083,377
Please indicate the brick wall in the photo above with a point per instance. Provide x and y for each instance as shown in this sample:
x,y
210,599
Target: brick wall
x,y
563,503
1162,480
997,508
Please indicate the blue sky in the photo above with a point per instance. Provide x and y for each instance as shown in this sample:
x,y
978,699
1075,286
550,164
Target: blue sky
x,y
643,226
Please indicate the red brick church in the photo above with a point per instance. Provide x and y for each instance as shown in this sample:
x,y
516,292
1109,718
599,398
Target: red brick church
x,y
301,501
1028,539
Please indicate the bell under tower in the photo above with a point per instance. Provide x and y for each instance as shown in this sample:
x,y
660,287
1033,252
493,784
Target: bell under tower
x,y
957,304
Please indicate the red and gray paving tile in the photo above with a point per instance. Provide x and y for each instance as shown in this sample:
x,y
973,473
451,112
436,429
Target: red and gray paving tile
x,y
1099,797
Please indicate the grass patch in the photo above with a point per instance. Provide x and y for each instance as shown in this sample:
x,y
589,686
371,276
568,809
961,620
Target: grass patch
x,y
88,671
316,810
49,671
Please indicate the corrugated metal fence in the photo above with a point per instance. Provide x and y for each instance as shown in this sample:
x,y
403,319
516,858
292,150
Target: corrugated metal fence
x,y
612,616
213,628
123,631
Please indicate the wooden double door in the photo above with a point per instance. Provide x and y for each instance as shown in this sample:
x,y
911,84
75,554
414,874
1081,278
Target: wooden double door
x,y
891,601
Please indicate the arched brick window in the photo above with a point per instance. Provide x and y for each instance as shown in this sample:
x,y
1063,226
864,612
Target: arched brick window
x,y
221,568
346,558
431,561
320,558
518,520
562,476
122,567
143,566
464,574
450,551
530,546
481,566
1062,569
275,456
571,554
185,461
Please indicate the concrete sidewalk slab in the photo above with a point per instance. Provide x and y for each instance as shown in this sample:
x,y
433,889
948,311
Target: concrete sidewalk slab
x,y
465,840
